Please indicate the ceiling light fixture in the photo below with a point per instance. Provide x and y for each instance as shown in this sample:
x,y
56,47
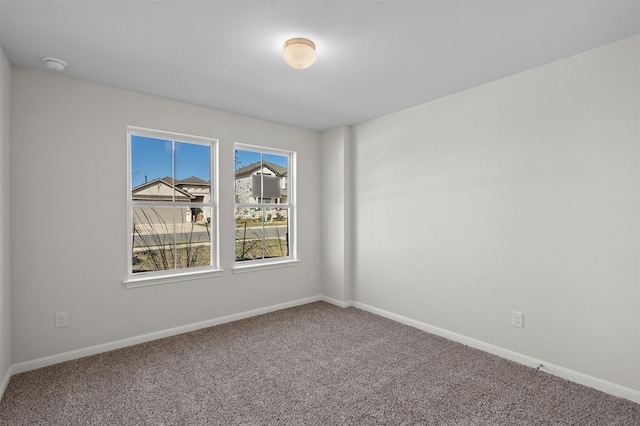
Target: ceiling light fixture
x,y
300,53
55,63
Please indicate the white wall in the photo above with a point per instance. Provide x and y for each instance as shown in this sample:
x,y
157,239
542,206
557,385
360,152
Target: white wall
x,y
336,206
5,228
68,183
522,195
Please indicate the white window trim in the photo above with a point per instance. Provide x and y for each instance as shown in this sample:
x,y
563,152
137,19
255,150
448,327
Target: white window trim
x,y
171,278
292,258
262,265
144,279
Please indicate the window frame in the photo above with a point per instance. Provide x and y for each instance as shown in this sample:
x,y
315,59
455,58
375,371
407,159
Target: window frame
x,y
277,262
141,279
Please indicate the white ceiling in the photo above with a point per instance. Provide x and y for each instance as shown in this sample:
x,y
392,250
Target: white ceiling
x,y
374,57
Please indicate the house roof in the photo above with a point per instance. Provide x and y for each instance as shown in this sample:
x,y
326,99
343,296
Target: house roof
x,y
247,170
192,180
167,181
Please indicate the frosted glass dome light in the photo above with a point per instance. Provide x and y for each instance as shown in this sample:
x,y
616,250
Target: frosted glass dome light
x,y
299,53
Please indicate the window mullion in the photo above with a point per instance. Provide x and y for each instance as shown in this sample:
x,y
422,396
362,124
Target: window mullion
x,y
173,195
259,206
264,218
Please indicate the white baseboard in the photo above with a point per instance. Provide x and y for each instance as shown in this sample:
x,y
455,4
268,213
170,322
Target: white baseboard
x,y
5,380
565,373
337,302
118,344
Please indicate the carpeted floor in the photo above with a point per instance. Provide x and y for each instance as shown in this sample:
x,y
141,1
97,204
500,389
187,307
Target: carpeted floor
x,y
311,365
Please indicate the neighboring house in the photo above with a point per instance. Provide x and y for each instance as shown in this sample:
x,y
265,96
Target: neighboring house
x,y
191,189
261,182
248,183
200,189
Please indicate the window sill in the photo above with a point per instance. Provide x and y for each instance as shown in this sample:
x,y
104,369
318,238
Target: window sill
x,y
135,282
252,267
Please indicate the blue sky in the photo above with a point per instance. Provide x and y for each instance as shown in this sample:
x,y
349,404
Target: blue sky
x,y
151,158
244,158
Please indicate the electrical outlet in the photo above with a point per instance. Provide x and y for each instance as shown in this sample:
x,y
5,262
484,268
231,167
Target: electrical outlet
x,y
62,319
313,277
517,319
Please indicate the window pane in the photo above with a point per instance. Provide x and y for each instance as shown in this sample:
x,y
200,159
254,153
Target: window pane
x,y
248,165
275,187
276,232
270,187
280,161
260,178
153,238
160,245
193,237
150,161
262,234
193,171
248,236
246,158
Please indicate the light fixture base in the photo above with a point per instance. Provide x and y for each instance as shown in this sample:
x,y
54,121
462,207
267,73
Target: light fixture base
x,y
54,63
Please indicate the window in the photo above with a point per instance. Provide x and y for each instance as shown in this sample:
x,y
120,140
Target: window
x,y
171,205
264,205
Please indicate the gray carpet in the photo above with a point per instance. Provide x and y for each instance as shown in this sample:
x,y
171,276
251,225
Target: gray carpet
x,y
311,365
